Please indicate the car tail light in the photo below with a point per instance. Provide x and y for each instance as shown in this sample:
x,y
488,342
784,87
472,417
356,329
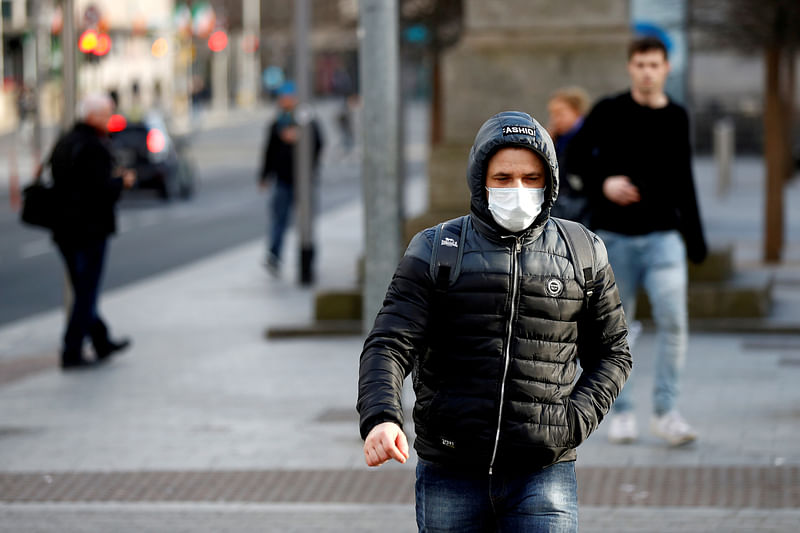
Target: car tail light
x,y
156,142
116,123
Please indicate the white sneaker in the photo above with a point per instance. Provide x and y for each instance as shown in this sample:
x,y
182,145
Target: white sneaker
x,y
673,428
622,428
273,265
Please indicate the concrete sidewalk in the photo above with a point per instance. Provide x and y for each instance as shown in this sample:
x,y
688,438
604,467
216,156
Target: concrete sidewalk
x,y
206,426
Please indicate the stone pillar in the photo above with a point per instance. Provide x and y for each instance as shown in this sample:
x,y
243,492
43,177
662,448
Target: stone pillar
x,y
512,55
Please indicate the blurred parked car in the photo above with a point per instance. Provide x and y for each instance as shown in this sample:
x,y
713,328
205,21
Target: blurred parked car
x,y
160,161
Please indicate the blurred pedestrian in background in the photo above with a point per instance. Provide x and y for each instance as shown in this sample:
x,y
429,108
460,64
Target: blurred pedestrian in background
x,y
26,108
344,119
634,154
492,340
566,110
278,164
87,186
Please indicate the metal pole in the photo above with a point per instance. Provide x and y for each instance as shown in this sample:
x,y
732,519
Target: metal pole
x,y
2,54
41,33
723,153
251,20
303,149
379,62
69,51
219,80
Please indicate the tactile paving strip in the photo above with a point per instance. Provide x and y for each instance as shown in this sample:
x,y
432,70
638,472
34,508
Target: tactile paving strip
x,y
727,487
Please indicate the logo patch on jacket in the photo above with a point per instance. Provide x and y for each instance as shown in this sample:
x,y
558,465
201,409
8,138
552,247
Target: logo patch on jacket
x,y
554,287
449,443
449,241
517,130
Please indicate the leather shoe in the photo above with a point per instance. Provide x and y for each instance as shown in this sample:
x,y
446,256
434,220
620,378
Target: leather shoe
x,y
111,347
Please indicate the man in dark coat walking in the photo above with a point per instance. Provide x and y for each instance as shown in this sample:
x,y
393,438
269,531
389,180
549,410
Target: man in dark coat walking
x,y
87,190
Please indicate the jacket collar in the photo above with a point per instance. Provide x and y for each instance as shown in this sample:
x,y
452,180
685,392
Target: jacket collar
x,y
496,234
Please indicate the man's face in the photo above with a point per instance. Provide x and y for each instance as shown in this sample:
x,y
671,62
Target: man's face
x,y
648,71
562,116
99,118
516,167
287,102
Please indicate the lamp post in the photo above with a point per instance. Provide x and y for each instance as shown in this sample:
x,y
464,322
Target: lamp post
x,y
69,49
303,149
379,63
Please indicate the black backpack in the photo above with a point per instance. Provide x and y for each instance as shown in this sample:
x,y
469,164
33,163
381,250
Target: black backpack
x,y
448,250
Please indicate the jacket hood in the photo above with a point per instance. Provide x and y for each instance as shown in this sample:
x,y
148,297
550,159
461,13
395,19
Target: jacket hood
x,y
509,129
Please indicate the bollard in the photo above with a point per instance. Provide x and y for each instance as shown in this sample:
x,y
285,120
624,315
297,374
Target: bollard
x,y
724,151
14,196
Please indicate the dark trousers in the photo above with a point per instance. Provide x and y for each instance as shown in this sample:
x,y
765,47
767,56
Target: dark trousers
x,y
84,262
282,200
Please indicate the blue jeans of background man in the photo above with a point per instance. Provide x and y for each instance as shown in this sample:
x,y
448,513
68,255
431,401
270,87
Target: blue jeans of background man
x,y
655,262
282,200
452,500
84,261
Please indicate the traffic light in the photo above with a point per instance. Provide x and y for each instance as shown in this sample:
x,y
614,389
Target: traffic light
x,y
87,41
218,40
103,45
94,44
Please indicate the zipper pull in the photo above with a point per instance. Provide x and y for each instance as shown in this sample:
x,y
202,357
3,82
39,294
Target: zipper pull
x,y
519,244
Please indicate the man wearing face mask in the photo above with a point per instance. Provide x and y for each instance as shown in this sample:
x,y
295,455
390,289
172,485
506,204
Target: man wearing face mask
x,y
495,351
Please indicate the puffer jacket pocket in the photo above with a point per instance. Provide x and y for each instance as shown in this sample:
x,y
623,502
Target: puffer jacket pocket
x,y
577,429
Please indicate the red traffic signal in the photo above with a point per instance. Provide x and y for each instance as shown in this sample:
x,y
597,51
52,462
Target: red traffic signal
x,y
92,42
103,45
217,41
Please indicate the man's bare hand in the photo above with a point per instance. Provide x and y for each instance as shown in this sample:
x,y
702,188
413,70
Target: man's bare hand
x,y
620,190
290,134
385,441
128,178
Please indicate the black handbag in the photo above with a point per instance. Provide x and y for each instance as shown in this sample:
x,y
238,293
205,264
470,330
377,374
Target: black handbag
x,y
39,205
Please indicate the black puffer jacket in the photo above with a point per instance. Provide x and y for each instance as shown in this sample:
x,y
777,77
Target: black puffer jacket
x,y
496,355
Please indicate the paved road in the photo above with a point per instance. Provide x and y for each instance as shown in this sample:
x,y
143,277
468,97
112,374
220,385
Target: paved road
x,y
155,236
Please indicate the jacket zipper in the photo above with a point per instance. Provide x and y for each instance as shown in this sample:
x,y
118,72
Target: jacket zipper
x,y
507,352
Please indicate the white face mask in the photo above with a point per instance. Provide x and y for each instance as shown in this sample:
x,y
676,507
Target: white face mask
x,y
515,208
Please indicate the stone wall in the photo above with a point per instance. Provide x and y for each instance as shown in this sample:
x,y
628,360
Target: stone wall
x,y
513,54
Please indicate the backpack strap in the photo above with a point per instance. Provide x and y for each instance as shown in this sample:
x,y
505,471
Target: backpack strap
x,y
448,250
581,249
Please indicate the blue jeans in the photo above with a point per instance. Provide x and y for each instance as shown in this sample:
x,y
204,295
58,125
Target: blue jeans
x,y
282,200
657,263
508,502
